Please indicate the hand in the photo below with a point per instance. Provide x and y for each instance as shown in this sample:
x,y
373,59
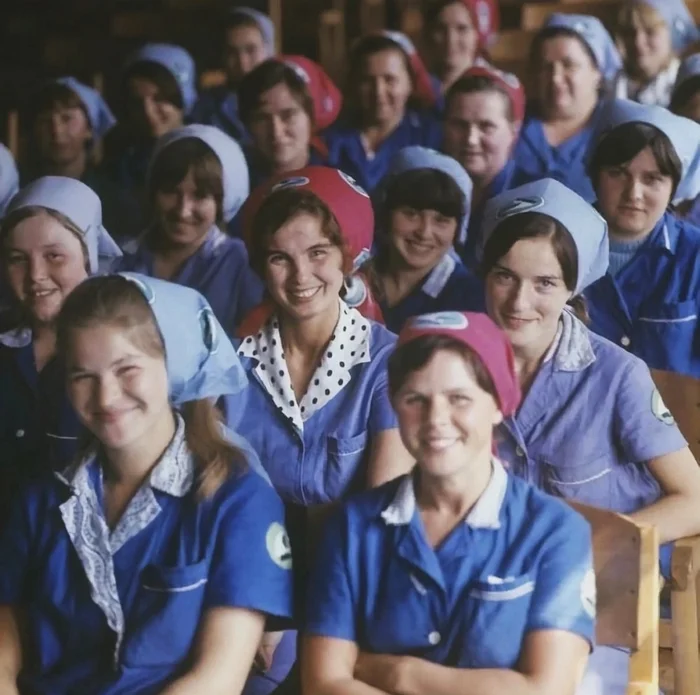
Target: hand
x,y
382,671
266,650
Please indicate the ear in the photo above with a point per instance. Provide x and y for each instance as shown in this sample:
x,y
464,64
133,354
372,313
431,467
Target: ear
x,y
497,417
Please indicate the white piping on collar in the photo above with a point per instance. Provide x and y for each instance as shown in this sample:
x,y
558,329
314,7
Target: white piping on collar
x,y
439,276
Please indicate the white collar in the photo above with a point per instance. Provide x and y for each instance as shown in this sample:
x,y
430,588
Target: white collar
x,y
573,351
485,514
657,92
17,338
438,276
348,347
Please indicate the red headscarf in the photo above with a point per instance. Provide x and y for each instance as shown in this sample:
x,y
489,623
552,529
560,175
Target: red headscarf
x,y
510,84
486,20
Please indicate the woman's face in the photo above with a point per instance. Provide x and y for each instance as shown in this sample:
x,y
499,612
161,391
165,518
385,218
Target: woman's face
x,y
184,214
634,196
44,262
420,238
119,392
567,79
454,38
385,87
526,293
62,134
478,133
648,49
303,269
281,129
445,418
244,50
150,114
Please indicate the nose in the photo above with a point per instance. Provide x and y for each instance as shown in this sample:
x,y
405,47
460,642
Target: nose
x,y
557,74
107,391
437,412
639,40
277,129
520,299
38,269
634,189
302,271
55,126
472,136
185,206
150,110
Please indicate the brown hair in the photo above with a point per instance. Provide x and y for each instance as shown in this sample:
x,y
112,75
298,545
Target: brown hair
x,y
415,354
50,97
534,225
280,207
160,76
474,84
115,301
176,160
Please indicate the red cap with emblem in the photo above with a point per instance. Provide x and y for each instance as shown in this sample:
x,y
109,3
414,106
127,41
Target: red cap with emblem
x,y
484,337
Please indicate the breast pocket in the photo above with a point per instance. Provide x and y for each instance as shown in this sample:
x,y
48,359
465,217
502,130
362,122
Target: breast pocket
x,y
345,458
497,615
589,482
167,612
665,335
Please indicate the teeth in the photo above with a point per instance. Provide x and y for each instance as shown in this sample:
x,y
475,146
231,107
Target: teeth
x,y
441,444
42,293
305,294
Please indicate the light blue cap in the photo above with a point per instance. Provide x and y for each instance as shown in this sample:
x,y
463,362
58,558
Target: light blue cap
x,y
233,163
595,36
683,133
9,178
417,157
177,61
675,13
690,67
267,28
99,114
81,205
200,359
548,197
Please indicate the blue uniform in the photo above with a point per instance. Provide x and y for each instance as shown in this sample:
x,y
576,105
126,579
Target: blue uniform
x,y
537,159
651,305
117,611
521,561
218,269
347,153
448,287
218,106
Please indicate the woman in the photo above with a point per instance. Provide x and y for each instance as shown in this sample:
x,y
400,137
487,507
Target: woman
x,y
51,239
544,246
422,208
457,577
284,103
158,93
249,39
645,158
392,100
685,98
9,178
126,568
484,110
651,35
573,59
197,182
458,31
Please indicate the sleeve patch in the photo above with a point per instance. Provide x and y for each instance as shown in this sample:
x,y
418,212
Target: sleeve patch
x,y
278,546
660,410
588,593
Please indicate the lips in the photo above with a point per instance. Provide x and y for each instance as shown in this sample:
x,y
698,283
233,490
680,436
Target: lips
x,y
40,293
304,295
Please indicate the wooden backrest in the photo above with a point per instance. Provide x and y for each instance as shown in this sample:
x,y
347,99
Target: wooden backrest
x,y
372,16
534,15
626,560
511,45
332,51
681,394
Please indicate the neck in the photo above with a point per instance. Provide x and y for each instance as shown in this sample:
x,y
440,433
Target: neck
x,y
376,131
309,337
300,161
399,279
481,185
528,359
173,255
130,466
457,494
72,170
624,237
449,74
571,121
43,332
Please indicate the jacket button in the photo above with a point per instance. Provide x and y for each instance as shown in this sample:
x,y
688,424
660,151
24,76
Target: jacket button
x,y
519,451
19,434
434,638
625,341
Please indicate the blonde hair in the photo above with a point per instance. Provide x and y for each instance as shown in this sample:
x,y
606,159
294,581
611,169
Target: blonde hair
x,y
637,14
115,301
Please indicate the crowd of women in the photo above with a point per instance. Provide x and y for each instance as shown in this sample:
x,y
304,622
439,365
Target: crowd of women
x,y
366,342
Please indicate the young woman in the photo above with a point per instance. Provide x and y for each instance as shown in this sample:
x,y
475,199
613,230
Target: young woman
x,y
573,58
9,178
484,110
51,239
456,578
125,570
457,32
651,35
422,208
197,182
284,103
648,302
249,39
544,246
685,98
392,107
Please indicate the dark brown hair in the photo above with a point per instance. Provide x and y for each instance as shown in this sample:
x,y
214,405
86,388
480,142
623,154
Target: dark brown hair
x,y
683,93
162,78
433,10
415,354
51,97
474,84
547,33
534,225
181,157
112,300
263,78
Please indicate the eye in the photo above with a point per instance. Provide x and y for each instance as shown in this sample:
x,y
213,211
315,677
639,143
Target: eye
x,y
414,399
319,253
546,283
502,276
54,257
127,370
15,259
459,399
410,213
443,220
276,258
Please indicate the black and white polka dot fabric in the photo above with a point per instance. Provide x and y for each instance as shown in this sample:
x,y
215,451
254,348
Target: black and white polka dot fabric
x,y
349,346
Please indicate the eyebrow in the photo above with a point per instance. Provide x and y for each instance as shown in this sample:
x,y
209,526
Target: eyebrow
x,y
538,277
323,245
116,363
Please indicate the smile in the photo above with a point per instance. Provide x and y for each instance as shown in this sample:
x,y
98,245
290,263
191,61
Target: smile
x,y
305,294
440,443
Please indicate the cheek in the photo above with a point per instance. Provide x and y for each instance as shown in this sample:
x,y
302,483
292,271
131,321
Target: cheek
x,y
70,274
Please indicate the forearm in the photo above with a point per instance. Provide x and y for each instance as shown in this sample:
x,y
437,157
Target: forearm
x,y
10,651
349,686
196,683
674,515
8,684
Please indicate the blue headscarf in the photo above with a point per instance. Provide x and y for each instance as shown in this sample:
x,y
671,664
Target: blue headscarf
x,y
417,157
264,23
177,61
80,204
200,359
9,178
586,226
233,163
99,114
592,32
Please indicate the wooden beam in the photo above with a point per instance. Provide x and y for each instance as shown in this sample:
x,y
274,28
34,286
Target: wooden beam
x,y
331,43
372,16
274,9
